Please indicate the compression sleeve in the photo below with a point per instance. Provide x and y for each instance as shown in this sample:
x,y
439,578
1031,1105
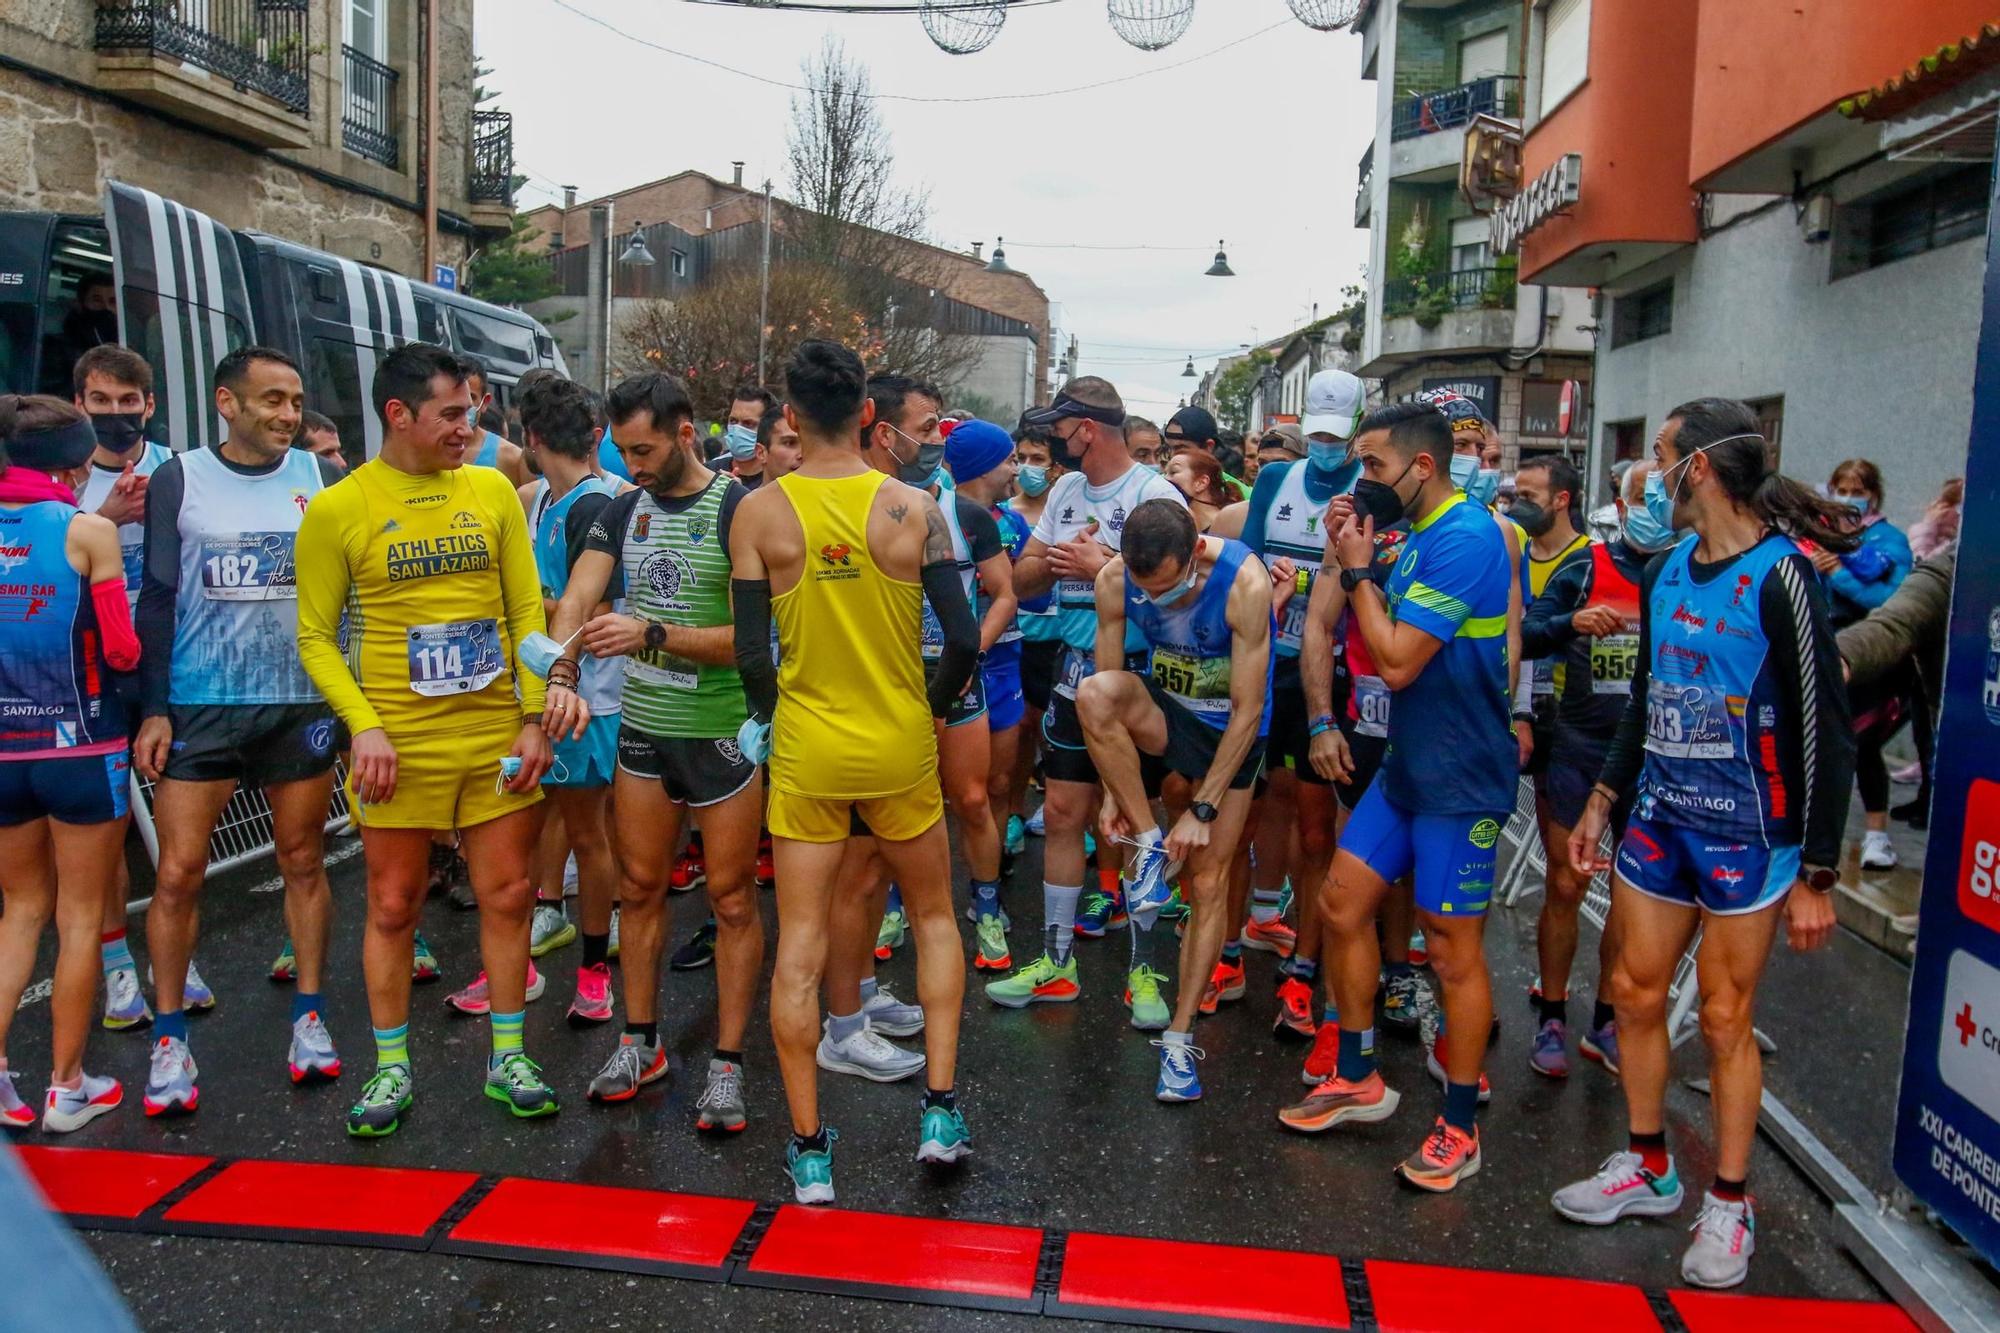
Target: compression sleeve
x,y
1628,744
114,624
960,658
750,602
520,584
159,586
1805,662
324,574
1545,625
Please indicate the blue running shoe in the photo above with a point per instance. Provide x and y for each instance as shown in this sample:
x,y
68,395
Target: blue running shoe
x,y
1145,880
1601,1045
1034,824
1101,912
1178,1080
1017,835
811,1170
944,1138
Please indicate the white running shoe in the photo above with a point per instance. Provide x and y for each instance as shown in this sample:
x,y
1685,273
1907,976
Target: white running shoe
x,y
1877,852
866,1055
1622,1187
1725,1236
891,1017
67,1109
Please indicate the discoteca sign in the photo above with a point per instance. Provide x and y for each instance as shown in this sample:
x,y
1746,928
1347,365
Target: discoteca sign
x,y
1545,196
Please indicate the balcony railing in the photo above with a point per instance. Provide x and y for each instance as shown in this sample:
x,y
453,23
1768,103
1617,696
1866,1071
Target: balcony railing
x,y
368,116
492,158
260,46
1366,175
1452,108
1437,294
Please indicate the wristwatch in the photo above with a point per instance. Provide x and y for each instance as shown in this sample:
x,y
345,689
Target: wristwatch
x,y
1820,879
1203,811
1350,579
656,636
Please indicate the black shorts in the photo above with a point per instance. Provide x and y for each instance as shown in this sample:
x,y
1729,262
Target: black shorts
x,y
696,771
1067,758
258,745
70,789
1544,727
1039,661
1565,785
1290,746
967,707
1367,752
1192,743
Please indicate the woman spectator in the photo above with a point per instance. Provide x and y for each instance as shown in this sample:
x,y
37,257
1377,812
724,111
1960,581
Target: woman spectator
x,y
1198,476
1937,531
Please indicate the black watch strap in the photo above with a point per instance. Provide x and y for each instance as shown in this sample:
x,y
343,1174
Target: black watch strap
x,y
1203,811
1350,579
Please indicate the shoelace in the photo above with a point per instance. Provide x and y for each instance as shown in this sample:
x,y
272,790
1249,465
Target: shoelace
x,y
167,1057
384,1088
1438,1146
724,1089
1720,1221
520,1072
1181,1057
626,1060
314,1033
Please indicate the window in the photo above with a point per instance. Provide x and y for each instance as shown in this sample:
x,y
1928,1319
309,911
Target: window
x,y
1471,244
1541,408
1643,314
1771,425
677,261
1912,217
1483,56
1626,438
366,30
1565,51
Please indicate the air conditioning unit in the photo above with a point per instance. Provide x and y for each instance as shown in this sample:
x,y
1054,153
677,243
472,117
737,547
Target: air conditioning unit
x,y
1816,222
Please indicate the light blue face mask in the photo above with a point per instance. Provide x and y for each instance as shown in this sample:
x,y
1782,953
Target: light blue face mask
x,y
1180,590
1480,484
1660,505
538,652
1643,532
1860,504
741,441
1033,480
1327,455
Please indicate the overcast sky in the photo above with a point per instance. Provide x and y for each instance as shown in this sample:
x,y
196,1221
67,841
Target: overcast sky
x,y
1257,144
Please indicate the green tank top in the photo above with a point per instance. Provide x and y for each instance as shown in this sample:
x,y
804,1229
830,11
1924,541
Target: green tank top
x,y
677,572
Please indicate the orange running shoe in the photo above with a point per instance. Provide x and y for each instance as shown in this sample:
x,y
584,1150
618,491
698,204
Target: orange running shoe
x,y
1272,936
1295,1010
1224,984
1448,1155
1324,1057
690,870
1336,1101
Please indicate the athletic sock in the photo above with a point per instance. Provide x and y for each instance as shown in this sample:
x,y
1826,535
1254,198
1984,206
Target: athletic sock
x,y
113,951
1652,1150
1059,919
1108,882
643,1034
1232,950
839,1027
392,1046
1264,905
596,948
729,1057
1729,1191
173,1024
1173,1038
1461,1102
870,986
1148,835
507,1033
307,1002
1141,935
985,897
1601,1014
1305,969
1357,1055
946,1100
895,903
813,1142
1553,1010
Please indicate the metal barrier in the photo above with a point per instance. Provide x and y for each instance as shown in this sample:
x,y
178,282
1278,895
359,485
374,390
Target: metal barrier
x,y
243,833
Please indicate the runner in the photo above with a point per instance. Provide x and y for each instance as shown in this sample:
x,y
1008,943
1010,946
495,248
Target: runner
x,y
1077,535
1143,438
489,448
677,742
1589,614
226,701
1041,651
63,776
1202,608
318,435
748,408
1437,637
1736,749
836,552
433,566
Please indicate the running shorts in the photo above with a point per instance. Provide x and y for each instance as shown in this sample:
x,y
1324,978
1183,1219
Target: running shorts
x,y
697,771
258,745
898,817
967,707
590,759
1367,752
1544,729
1191,743
1451,856
1040,660
1689,868
1290,746
1005,703
70,789
447,780
1067,758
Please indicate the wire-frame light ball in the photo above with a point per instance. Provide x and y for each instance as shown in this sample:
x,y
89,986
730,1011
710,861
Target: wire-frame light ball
x,y
1150,24
963,26
1325,15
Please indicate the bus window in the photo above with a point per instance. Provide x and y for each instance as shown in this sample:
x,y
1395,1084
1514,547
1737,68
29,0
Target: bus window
x,y
78,306
335,390
504,346
143,335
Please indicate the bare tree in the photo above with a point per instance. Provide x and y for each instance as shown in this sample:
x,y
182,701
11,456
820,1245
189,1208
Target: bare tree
x,y
842,165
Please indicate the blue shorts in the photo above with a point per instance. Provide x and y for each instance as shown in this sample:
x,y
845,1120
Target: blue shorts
x,y
1690,868
1451,856
1006,705
70,789
588,761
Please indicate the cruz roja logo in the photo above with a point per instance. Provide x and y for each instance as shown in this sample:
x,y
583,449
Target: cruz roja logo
x,y
1968,1049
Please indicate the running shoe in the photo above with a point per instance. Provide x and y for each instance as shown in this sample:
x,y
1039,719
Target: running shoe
x,y
611,946
942,1138
811,1169
384,1098
721,1100
550,929
1335,1101
1402,1000
423,963
1142,997
1285,897
972,915
170,1081
1601,1045
633,1064
1225,984
65,1110
475,999
1101,912
1324,1058
890,935
1448,1155
994,954
460,894
1176,910
890,1016
1434,1060
572,878
285,967
592,1004
1040,982
1034,826
698,952
1145,880
1017,835
690,871
1725,1236
1622,1187
196,997
1550,1055
1272,936
1877,853
125,1005
312,1054
767,865
440,870
14,1113
1420,953
866,1055
516,1083
1179,1080
1295,1010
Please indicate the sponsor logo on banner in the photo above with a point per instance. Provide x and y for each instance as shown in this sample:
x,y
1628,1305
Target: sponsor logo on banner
x,y
1968,1045
1979,855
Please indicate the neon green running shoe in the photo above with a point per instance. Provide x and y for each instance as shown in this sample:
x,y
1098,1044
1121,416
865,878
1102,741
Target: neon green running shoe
x,y
889,938
1176,907
516,1083
1142,996
1040,982
384,1098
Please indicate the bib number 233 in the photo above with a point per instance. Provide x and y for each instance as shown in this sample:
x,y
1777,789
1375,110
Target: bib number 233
x,y
456,657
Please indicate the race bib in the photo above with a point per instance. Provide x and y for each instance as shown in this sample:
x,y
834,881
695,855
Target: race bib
x,y
1076,592
248,567
1545,676
1292,628
456,657
1686,721
134,553
1614,660
1371,706
1075,666
933,642
1201,683
674,673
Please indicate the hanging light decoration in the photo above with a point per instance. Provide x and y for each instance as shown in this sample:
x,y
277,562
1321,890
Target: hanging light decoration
x,y
1150,24
1325,15
963,26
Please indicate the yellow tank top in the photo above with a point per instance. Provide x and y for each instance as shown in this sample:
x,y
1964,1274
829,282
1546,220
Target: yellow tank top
x,y
853,722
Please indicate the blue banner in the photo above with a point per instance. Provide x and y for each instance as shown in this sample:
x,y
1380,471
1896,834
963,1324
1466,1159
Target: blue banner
x,y
1948,1111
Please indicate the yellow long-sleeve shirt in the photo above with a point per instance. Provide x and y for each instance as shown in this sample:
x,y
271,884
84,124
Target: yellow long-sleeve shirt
x,y
436,574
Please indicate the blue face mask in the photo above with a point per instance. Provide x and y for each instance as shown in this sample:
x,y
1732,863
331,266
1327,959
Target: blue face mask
x,y
1643,532
1858,503
741,441
1180,590
1327,455
1659,505
1480,484
1033,480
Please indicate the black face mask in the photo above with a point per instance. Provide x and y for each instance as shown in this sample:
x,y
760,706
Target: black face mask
x,y
1071,456
1534,520
119,431
1378,499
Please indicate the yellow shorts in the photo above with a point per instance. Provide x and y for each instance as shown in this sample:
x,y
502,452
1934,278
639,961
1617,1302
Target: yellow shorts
x,y
446,780
898,817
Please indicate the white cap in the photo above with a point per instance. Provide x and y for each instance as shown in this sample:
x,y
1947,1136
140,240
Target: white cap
x,y
1335,402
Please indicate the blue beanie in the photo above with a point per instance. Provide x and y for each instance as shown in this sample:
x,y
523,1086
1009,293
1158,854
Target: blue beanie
x,y
975,448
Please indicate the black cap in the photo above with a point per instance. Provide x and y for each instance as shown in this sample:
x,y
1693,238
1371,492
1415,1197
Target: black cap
x,y
1194,422
1066,407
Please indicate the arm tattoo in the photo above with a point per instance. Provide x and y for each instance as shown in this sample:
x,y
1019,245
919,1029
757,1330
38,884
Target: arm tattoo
x,y
899,512
937,537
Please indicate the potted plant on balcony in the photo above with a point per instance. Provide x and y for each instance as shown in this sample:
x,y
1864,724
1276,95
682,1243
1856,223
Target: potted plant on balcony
x,y
1501,281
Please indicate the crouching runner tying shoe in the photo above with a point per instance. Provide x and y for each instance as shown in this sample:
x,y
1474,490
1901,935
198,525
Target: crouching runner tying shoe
x,y
1202,608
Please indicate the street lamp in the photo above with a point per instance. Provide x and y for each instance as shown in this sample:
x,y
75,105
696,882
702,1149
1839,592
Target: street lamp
x,y
998,264
1220,268
636,251
1189,374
